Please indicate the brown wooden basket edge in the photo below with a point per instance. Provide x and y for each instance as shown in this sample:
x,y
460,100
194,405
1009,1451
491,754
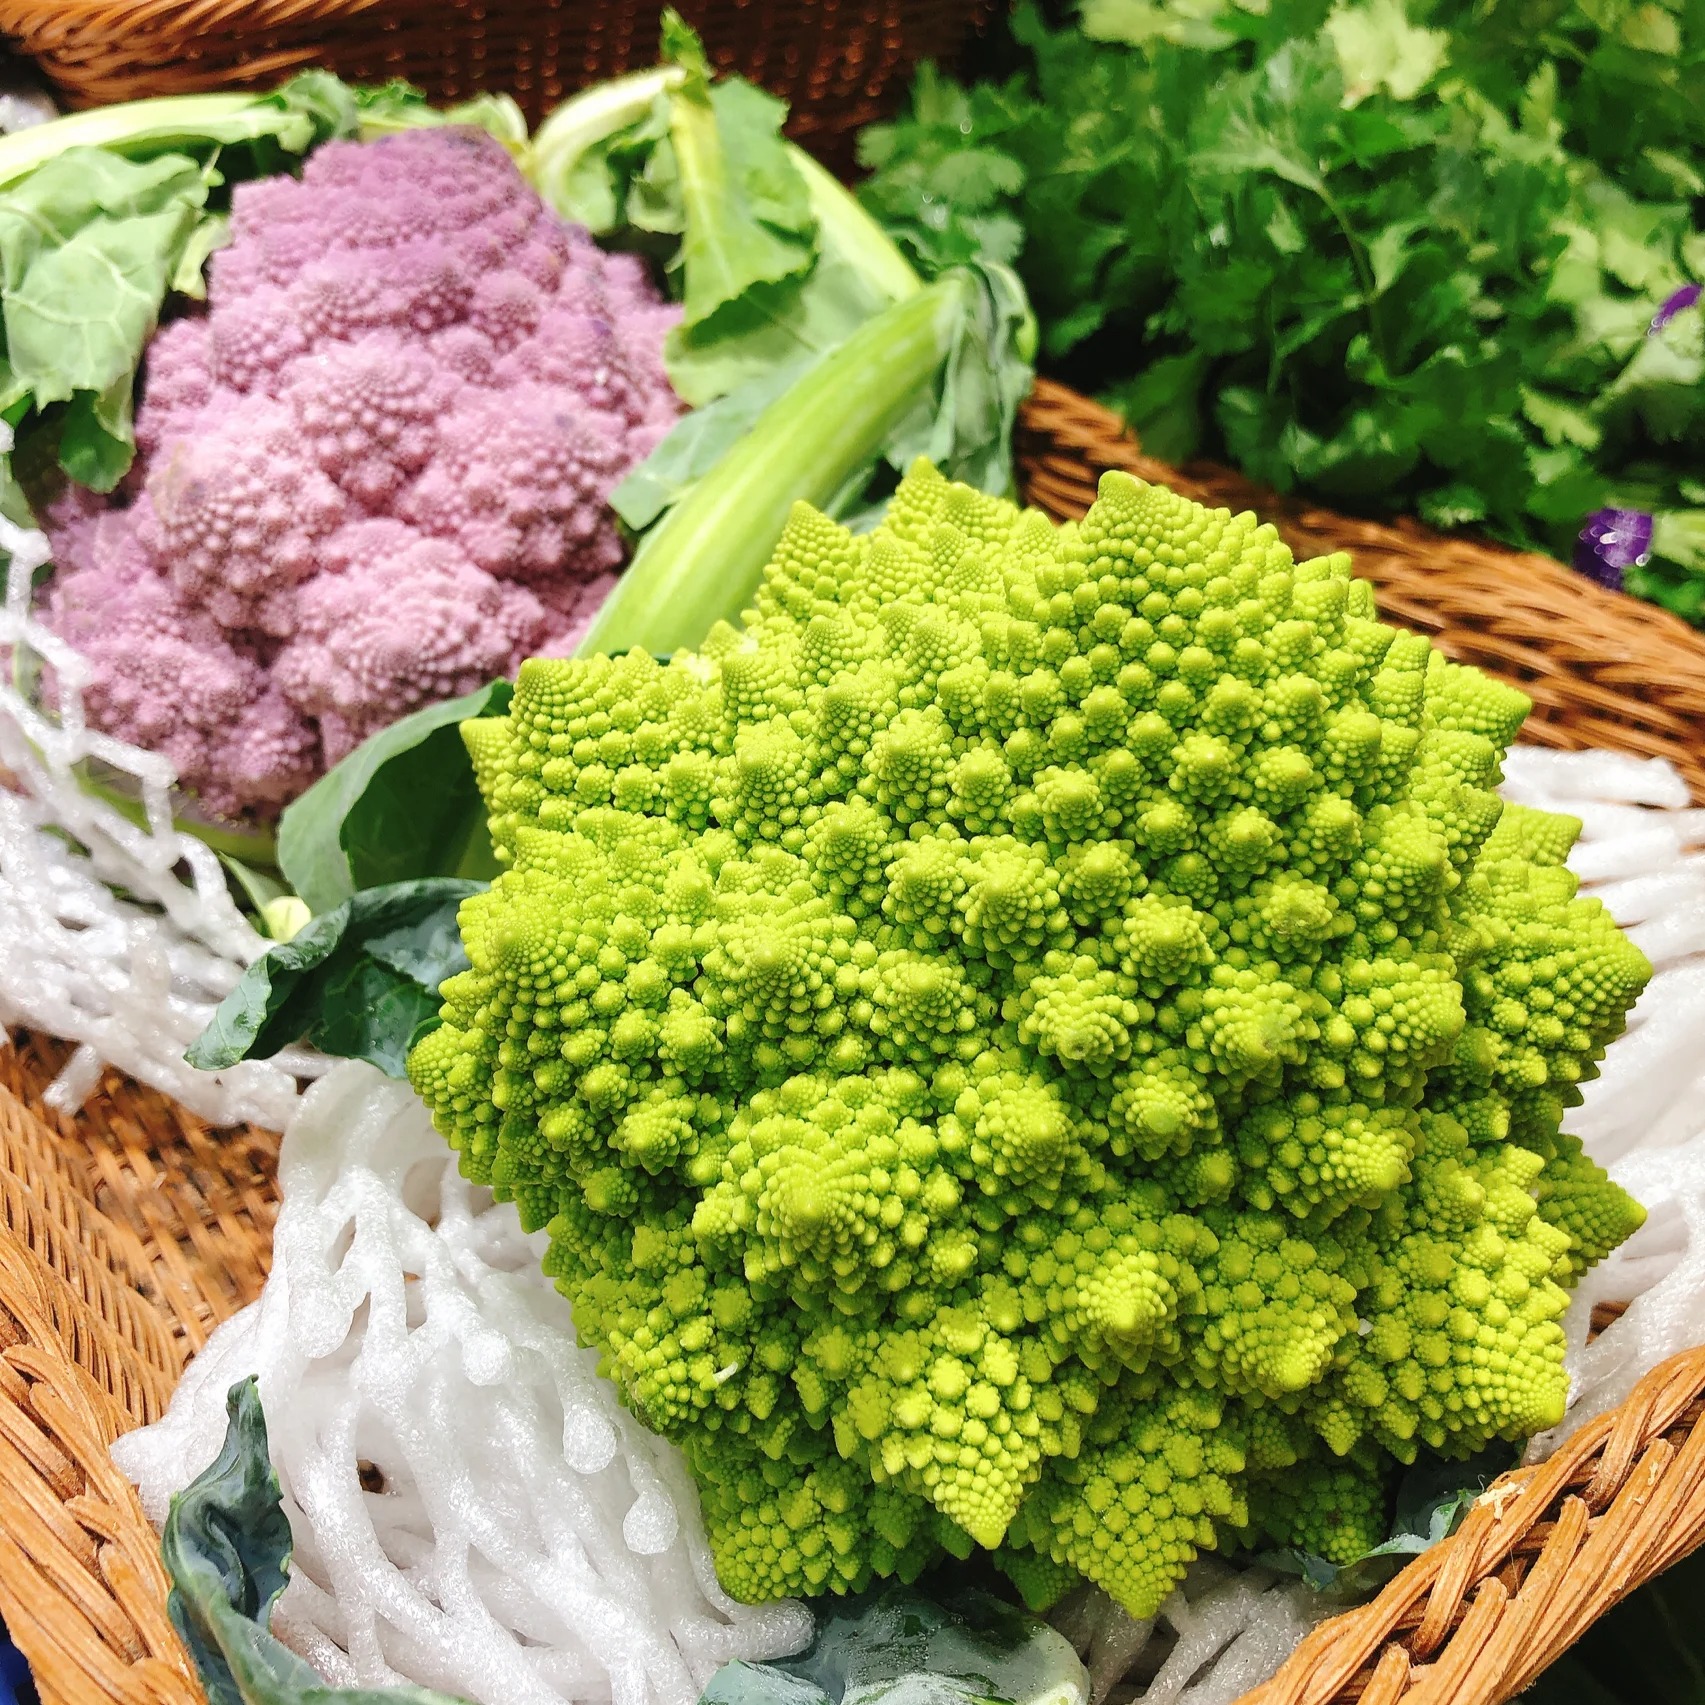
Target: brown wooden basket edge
x,y
838,78
82,1587
1543,1553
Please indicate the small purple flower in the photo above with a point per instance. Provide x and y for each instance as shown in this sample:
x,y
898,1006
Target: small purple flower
x,y
1679,302
1612,541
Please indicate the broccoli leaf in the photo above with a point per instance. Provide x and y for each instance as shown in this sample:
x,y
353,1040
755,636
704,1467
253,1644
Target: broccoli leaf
x,y
358,981
226,1547
897,1647
88,245
771,328
963,421
401,806
696,443
965,429
747,219
102,215
779,270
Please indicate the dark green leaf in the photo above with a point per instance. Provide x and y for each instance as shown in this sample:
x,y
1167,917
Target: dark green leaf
x,y
403,805
95,444
226,1547
357,981
1163,406
1346,244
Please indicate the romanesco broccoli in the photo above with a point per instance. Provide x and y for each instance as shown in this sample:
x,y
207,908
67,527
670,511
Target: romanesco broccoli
x,y
1045,1041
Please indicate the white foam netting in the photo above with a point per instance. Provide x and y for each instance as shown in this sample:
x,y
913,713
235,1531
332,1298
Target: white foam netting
x,y
520,1538
120,937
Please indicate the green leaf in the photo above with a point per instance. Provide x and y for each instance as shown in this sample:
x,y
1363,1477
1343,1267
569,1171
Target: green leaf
x,y
1136,23
88,246
1379,49
212,232
398,106
894,1646
966,428
226,1547
403,805
102,214
747,216
598,186
1163,406
697,442
95,443
260,887
358,981
331,107
1678,536
770,327
310,108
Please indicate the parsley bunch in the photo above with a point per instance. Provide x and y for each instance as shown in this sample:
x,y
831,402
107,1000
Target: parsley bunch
x,y
1400,256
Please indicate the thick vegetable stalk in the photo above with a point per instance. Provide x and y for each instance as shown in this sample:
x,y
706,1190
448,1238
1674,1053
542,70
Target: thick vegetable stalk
x,y
819,362
703,561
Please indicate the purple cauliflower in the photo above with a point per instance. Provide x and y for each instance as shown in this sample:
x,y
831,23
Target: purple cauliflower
x,y
373,474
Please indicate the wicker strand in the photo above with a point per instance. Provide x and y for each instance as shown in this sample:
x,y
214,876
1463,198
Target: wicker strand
x,y
82,1359
189,1211
1570,1541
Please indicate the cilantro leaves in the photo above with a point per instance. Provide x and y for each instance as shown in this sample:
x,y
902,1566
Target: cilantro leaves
x,y
1402,254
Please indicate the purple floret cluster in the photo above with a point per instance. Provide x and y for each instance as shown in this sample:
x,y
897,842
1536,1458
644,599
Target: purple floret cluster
x,y
373,474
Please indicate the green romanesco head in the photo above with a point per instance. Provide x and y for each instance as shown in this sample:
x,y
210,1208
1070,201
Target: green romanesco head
x,y
1043,1041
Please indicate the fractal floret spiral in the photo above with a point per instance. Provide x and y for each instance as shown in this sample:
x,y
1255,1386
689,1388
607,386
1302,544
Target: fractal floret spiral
x,y
1044,1040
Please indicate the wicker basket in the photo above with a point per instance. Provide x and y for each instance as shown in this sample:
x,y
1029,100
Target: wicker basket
x,y
129,1232
839,65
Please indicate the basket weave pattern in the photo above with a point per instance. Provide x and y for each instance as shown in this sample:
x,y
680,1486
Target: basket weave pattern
x,y
836,62
128,1232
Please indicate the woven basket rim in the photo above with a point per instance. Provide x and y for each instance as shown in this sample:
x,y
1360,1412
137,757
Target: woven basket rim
x,y
127,1233
841,64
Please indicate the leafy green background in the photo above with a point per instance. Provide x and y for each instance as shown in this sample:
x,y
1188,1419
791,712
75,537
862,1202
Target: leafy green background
x,y
1402,254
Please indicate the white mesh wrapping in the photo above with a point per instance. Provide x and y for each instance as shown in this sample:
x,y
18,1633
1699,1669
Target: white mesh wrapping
x,y
1643,1119
118,937
533,1544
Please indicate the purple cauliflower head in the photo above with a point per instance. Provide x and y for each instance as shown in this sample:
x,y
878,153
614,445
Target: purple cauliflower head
x,y
373,474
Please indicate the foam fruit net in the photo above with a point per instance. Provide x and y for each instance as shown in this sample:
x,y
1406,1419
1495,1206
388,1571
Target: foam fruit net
x,y
118,935
473,1508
